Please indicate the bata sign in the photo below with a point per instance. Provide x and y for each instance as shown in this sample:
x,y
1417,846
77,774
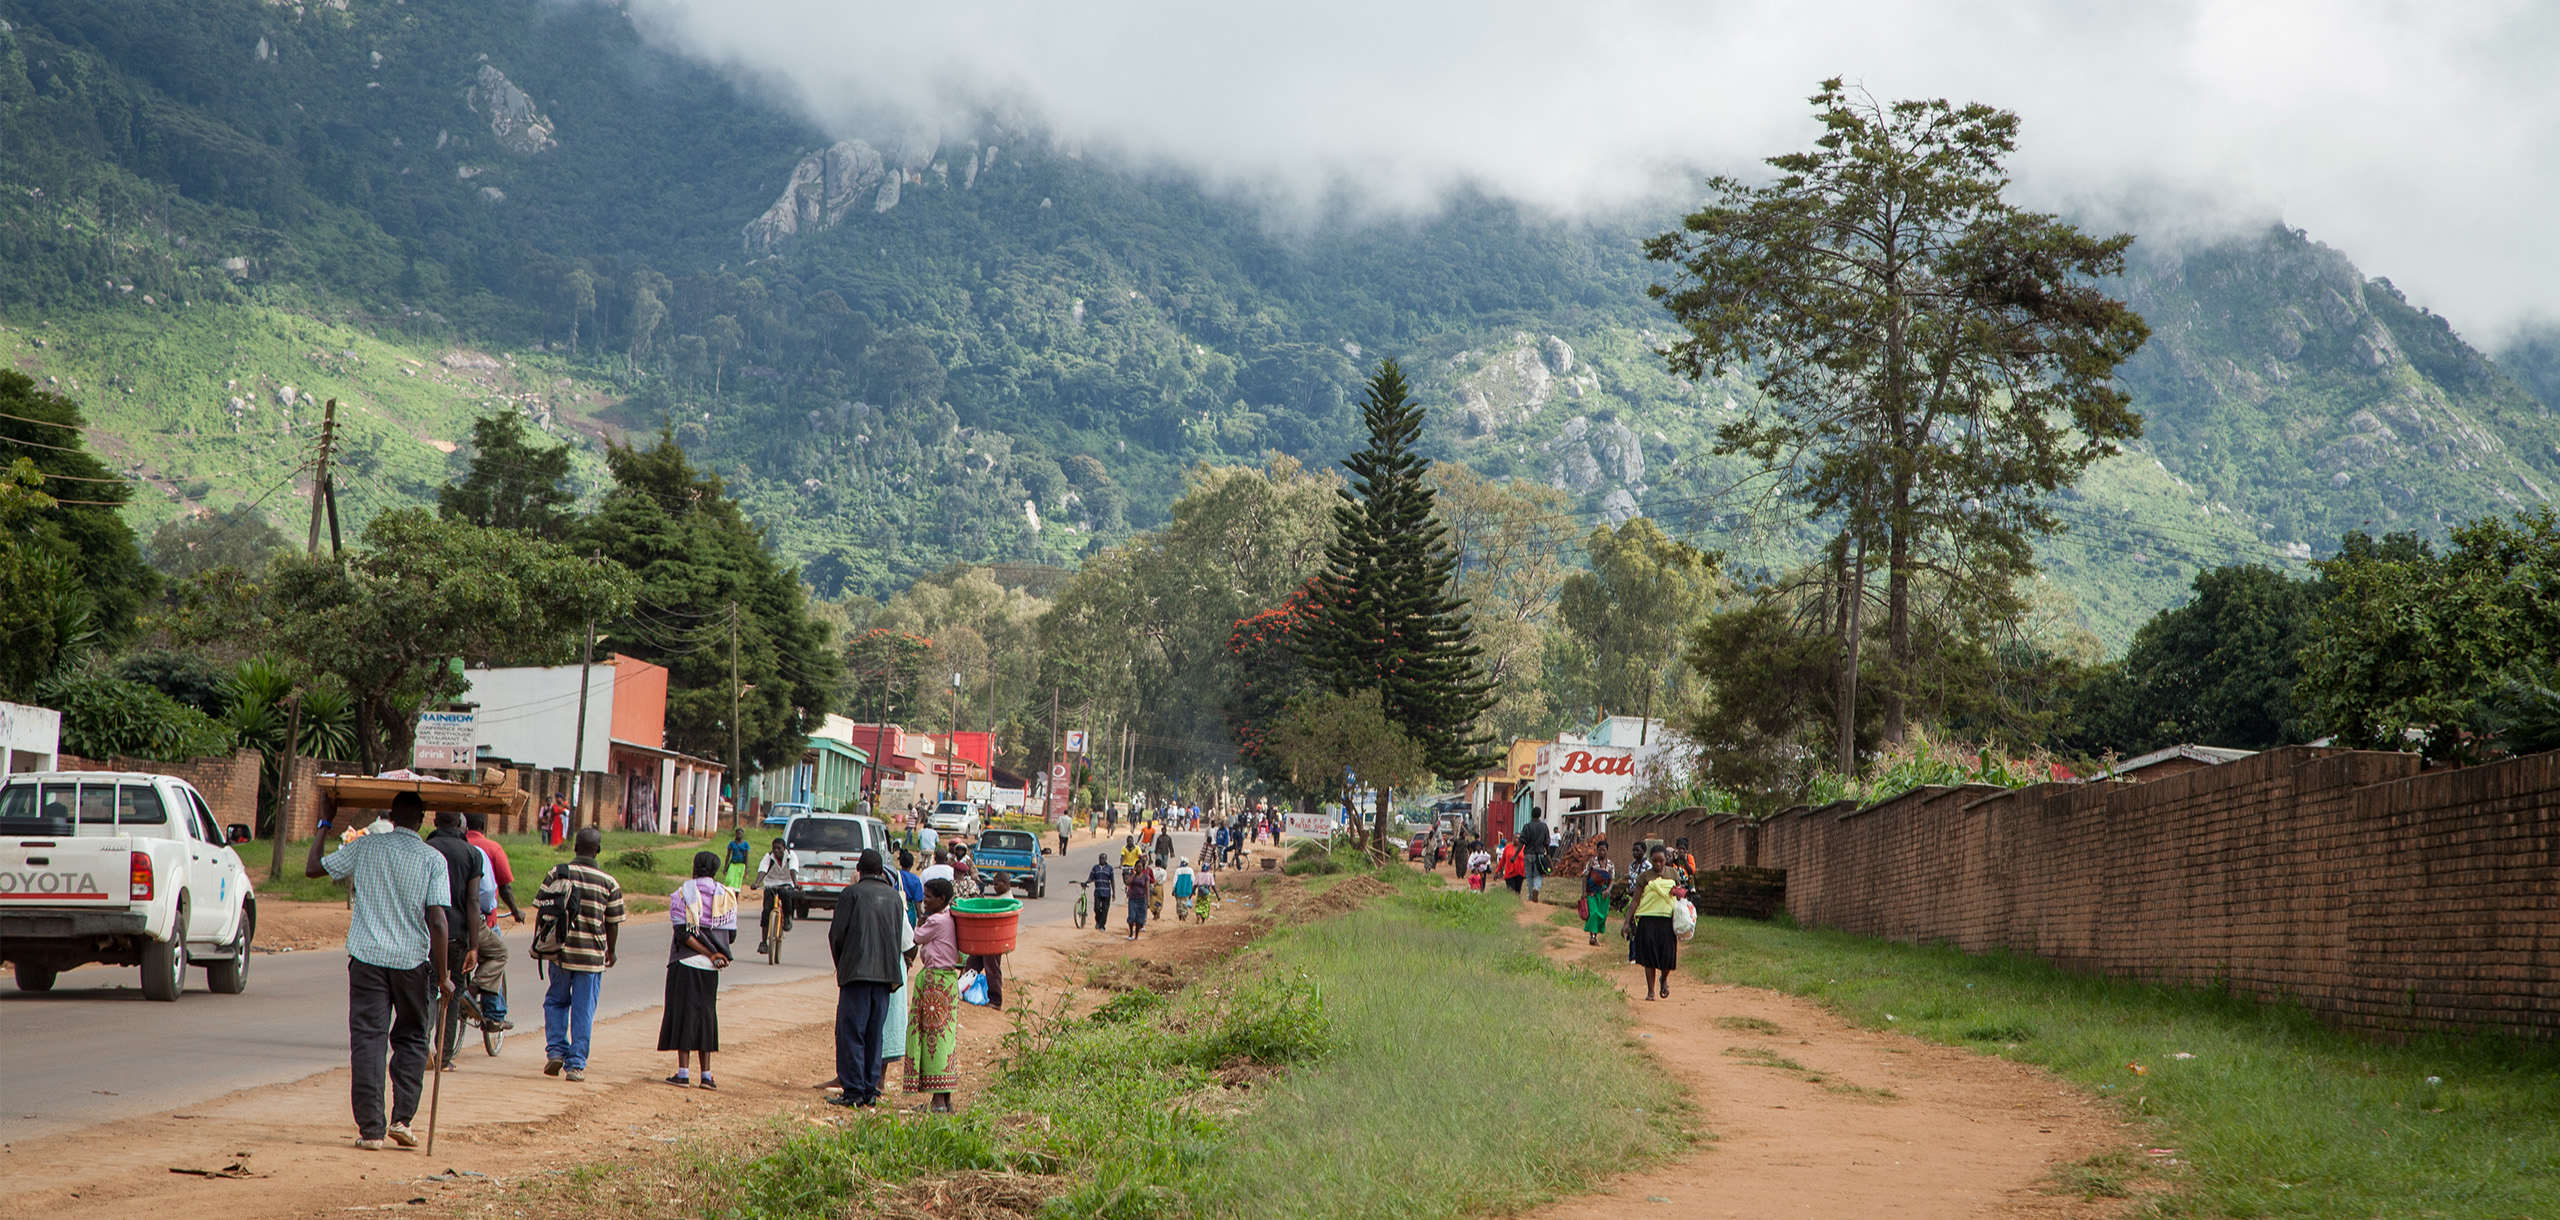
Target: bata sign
x,y
1584,762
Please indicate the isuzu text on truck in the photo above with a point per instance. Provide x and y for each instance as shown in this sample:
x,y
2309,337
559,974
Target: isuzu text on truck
x,y
122,868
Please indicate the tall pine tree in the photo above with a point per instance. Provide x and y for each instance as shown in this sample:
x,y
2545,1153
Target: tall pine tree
x,y
1384,615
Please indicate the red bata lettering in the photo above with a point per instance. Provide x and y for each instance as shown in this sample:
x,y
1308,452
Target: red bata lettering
x,y
1580,762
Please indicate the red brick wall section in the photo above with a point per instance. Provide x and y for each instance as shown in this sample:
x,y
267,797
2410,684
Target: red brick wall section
x,y
229,783
2376,895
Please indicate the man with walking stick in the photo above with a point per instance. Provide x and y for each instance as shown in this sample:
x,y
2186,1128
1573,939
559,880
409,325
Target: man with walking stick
x,y
396,945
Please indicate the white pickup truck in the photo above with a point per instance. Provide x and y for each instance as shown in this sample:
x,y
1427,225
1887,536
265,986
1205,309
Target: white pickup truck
x,y
123,868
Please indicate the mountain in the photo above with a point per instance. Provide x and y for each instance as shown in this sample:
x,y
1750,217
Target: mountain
x,y
967,340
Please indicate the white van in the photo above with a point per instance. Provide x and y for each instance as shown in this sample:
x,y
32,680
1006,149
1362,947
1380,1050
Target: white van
x,y
828,846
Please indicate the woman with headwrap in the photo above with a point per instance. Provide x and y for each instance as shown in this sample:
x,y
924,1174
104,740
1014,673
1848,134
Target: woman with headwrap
x,y
705,913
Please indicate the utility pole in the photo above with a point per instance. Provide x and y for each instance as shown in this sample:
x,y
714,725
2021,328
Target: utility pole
x,y
951,739
320,482
1853,601
578,749
737,751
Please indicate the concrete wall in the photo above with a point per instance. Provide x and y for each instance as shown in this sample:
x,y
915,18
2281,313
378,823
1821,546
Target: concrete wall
x,y
2380,896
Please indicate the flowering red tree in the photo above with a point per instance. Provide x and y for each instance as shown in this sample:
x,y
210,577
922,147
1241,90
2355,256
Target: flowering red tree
x,y
1268,676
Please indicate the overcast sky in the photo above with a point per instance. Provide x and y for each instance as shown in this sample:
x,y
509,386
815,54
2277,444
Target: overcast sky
x,y
2421,138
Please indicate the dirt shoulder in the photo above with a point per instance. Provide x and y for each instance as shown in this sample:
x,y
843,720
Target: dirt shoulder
x,y
502,1125
1813,1116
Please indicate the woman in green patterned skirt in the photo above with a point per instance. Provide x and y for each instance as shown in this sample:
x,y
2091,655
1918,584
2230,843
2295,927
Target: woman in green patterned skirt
x,y
933,1008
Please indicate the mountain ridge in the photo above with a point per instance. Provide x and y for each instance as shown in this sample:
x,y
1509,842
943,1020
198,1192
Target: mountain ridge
x,y
971,343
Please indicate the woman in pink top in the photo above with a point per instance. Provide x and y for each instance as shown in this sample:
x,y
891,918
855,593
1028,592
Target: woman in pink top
x,y
933,1031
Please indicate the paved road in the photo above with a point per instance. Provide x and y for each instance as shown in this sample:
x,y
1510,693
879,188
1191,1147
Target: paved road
x,y
92,1050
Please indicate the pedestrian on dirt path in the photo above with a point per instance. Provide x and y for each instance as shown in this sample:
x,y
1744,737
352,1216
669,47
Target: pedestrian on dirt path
x,y
868,939
941,867
1479,867
1535,839
475,897
1596,880
1655,948
591,903
739,850
1066,830
933,1024
398,901
1182,883
1515,865
1141,881
705,914
490,943
1129,853
1100,877
911,885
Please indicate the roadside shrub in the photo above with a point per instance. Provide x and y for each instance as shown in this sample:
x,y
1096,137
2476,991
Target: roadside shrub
x,y
638,861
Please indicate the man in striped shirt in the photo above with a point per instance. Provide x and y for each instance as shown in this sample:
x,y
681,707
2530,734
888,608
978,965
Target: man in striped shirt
x,y
594,903
396,942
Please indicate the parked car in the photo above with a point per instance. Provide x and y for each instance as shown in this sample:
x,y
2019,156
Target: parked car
x,y
780,813
125,868
954,818
829,846
1017,856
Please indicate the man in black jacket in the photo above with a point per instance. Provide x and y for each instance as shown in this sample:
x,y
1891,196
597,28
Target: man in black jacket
x,y
1534,841
869,940
463,866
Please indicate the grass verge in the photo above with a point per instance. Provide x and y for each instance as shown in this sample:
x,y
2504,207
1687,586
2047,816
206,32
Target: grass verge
x,y
1415,1057
2269,1112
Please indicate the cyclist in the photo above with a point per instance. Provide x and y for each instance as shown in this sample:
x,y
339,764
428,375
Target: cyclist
x,y
779,877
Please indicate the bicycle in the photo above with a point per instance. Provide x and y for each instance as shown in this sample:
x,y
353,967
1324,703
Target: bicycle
x,y
774,925
493,1035
1084,901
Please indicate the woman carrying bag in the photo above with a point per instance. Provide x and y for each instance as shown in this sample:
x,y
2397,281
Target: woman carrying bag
x,y
705,913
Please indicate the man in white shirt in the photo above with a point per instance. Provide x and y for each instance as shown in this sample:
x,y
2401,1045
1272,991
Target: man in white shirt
x,y
941,867
779,877
1066,827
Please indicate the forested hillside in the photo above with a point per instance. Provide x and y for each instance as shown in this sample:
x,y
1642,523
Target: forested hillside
x,y
968,342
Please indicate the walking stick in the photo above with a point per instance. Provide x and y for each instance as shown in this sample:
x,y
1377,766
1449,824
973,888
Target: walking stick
x,y
435,1064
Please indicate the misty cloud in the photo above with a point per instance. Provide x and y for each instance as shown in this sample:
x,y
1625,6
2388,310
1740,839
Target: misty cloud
x,y
2424,139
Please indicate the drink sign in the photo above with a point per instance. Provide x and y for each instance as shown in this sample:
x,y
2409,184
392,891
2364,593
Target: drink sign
x,y
444,740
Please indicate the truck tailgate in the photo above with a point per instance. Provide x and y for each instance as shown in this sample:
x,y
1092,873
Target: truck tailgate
x,y
90,873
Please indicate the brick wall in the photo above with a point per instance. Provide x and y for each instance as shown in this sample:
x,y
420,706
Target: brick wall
x,y
229,783
2379,896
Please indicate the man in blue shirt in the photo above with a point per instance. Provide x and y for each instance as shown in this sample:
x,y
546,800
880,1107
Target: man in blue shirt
x,y
396,946
1100,879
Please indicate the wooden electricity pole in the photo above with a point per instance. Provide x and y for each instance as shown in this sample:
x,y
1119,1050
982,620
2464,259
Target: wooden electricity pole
x,y
737,751
321,494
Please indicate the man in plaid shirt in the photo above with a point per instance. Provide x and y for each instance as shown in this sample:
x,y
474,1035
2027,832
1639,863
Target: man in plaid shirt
x,y
396,937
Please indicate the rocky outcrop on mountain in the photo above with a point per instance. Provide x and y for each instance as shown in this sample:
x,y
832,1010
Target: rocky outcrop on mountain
x,y
517,124
824,187
1587,454
835,181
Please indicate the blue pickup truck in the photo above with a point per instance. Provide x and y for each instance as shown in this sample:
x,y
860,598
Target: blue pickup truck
x,y
1015,855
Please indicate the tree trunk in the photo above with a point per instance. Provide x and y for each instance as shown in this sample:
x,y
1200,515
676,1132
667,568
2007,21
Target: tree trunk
x,y
368,747
1853,592
1897,691
1378,832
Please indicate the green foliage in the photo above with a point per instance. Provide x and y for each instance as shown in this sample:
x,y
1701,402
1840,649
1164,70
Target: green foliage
x,y
394,617
637,861
711,601
2272,1113
512,483
1321,736
239,537
1385,614
2409,643
77,522
2218,671
104,717
1933,362
1767,716
1631,612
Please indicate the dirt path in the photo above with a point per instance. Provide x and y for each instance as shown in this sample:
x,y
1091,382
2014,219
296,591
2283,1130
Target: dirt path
x,y
502,1125
1814,1117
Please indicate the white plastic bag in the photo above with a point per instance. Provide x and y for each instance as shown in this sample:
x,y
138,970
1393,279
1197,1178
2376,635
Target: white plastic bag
x,y
1684,918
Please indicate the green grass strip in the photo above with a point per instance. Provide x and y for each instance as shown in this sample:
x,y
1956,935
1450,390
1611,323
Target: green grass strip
x,y
1469,1075
2274,1114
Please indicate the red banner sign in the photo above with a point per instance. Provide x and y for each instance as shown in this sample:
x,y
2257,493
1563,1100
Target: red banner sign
x,y
1581,762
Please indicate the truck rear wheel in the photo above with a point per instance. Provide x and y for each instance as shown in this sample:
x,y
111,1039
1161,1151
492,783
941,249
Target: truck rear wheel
x,y
164,963
230,975
36,978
